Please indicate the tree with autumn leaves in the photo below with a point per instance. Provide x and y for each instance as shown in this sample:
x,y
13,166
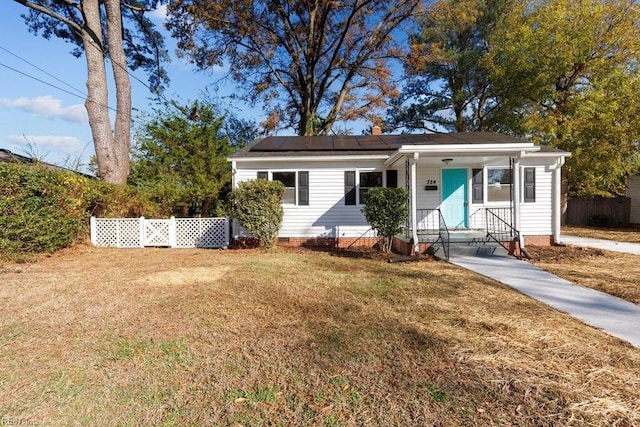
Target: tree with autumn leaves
x,y
312,62
568,73
447,86
558,72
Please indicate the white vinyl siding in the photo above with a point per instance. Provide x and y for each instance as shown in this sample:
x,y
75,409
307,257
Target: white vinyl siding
x,y
326,215
633,192
536,218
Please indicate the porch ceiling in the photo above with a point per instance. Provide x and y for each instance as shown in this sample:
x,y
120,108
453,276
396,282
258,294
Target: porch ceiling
x,y
462,160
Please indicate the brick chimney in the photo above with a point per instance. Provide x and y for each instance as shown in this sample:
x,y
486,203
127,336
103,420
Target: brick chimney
x,y
376,130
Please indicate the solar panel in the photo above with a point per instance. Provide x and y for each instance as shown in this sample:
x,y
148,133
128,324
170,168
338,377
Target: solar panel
x,y
374,142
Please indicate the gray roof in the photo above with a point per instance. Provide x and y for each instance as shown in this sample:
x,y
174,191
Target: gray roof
x,y
7,156
364,144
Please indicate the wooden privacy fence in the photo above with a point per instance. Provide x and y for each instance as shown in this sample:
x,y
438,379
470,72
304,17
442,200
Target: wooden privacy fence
x,y
173,232
599,211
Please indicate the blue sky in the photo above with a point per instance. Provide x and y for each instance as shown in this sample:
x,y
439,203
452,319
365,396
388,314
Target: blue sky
x,y
36,118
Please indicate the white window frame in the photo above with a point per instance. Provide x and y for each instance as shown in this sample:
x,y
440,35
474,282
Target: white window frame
x,y
295,183
487,186
359,186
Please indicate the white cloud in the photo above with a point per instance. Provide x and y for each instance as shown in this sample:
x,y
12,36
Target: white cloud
x,y
47,106
56,149
160,13
48,140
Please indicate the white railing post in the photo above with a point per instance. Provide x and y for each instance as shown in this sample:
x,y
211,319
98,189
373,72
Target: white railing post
x,y
414,202
92,223
172,232
142,233
226,232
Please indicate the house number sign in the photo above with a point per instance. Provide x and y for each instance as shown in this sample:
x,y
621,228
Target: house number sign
x,y
431,185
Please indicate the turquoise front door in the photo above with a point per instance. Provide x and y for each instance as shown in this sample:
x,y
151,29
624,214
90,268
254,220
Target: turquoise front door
x,y
454,198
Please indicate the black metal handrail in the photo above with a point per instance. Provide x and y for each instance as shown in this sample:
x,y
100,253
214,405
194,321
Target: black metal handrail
x,y
431,222
500,230
444,235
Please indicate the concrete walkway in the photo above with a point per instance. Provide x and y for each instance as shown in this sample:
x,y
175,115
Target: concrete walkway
x,y
609,245
613,315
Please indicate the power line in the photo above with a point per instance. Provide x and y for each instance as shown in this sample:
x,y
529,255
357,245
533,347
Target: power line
x,y
44,71
54,86
83,94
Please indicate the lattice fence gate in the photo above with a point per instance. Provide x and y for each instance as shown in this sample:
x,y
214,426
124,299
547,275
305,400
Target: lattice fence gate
x,y
173,232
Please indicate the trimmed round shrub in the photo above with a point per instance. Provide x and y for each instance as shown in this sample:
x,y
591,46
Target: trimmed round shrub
x,y
256,205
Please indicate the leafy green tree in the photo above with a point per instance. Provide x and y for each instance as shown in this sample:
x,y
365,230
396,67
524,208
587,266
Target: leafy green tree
x,y
312,62
180,158
570,73
386,211
97,29
447,87
256,205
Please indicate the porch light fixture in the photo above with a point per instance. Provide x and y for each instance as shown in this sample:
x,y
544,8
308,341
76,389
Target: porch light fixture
x,y
447,161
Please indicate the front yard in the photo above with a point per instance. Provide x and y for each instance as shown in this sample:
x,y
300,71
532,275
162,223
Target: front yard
x,y
293,337
615,273
630,235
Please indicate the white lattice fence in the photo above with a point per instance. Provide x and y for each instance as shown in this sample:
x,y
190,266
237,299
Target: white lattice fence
x,y
173,232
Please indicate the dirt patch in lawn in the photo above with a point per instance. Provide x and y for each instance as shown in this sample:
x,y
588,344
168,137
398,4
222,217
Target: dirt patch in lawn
x,y
611,272
563,254
294,337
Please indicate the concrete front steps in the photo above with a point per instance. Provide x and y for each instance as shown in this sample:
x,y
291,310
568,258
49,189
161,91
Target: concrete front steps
x,y
473,243
466,243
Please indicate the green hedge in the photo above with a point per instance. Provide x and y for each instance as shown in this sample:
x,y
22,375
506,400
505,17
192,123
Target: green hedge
x,y
257,205
44,209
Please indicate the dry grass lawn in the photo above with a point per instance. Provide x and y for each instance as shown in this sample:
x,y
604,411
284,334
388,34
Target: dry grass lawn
x,y
167,337
630,235
612,272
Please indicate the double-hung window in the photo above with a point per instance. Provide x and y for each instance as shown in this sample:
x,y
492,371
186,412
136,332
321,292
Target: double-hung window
x,y
499,182
289,181
499,185
368,180
358,187
296,186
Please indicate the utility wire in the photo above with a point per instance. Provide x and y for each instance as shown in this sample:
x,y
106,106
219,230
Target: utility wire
x,y
44,71
53,86
82,95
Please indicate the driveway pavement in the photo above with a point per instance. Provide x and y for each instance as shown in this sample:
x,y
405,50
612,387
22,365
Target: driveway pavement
x,y
613,315
609,245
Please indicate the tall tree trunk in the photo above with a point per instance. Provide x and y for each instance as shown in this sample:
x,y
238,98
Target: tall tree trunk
x,y
97,93
122,131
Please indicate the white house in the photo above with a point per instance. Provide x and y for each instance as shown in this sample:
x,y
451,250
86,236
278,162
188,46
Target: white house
x,y
633,192
456,181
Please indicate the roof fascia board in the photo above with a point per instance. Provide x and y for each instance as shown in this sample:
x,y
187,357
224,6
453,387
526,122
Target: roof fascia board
x,y
468,148
515,149
548,154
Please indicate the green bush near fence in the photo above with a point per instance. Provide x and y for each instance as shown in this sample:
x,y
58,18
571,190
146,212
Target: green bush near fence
x,y
44,209
256,205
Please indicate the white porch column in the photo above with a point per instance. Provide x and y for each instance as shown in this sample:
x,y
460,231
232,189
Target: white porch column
x,y
414,202
556,208
517,197
233,226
